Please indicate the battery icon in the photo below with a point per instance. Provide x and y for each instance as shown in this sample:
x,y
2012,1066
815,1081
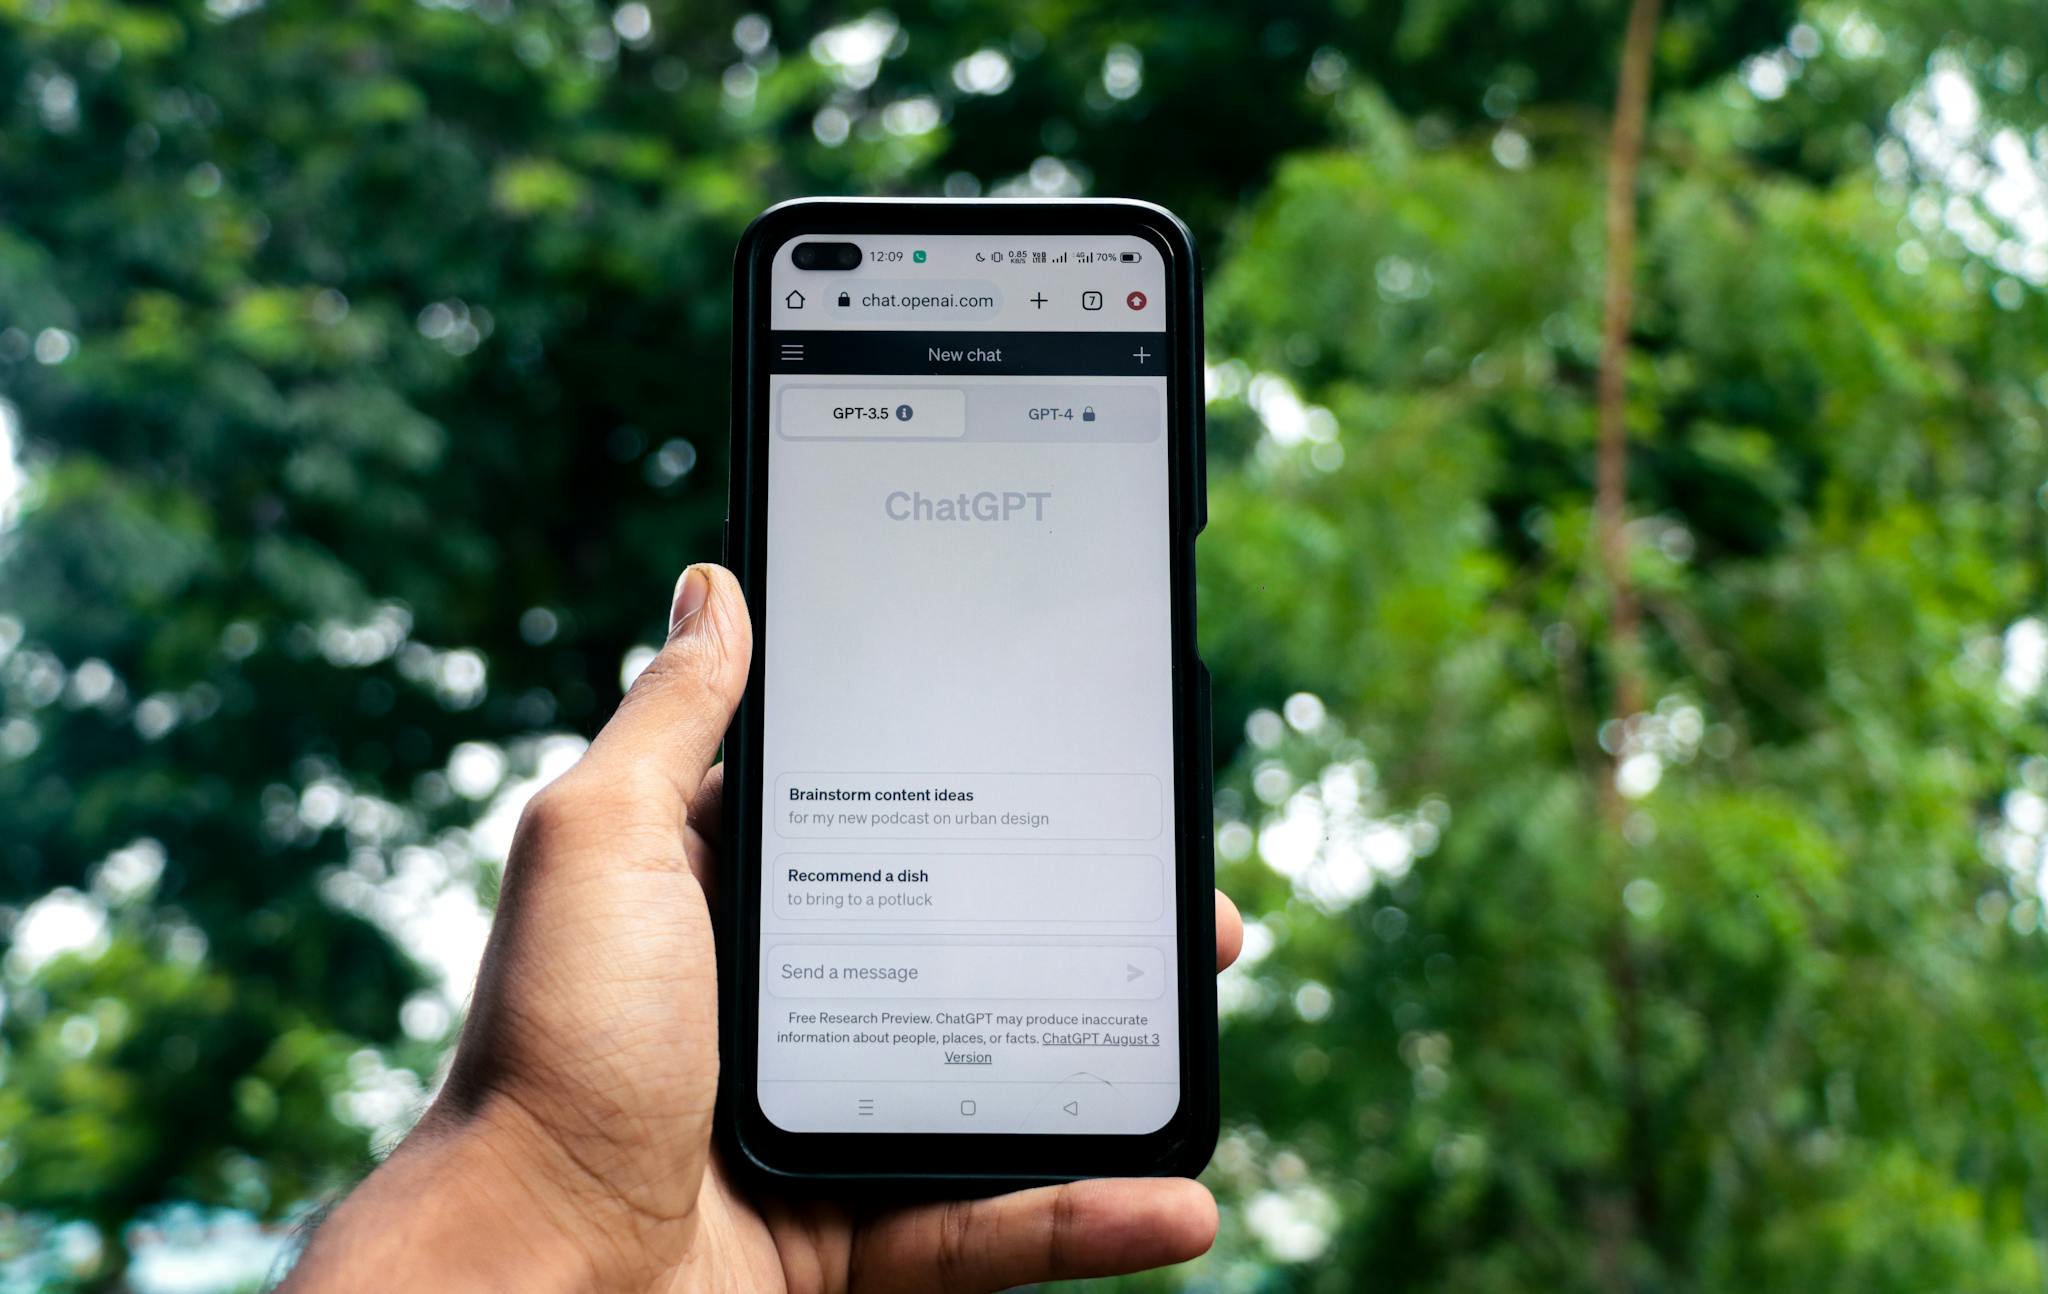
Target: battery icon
x,y
1128,257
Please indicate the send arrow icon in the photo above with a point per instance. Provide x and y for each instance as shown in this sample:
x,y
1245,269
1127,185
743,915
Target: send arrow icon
x,y
1131,972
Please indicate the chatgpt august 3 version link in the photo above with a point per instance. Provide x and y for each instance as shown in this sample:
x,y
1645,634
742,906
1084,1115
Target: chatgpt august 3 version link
x,y
969,940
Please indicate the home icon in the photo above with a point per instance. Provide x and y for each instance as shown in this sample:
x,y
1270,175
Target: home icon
x,y
795,300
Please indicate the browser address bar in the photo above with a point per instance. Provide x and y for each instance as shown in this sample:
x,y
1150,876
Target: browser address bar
x,y
913,300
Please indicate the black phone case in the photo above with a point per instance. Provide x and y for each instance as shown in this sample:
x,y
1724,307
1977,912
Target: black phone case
x,y
957,1164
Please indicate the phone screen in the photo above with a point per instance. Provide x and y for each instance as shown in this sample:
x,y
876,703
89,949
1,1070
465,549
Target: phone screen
x,y
967,899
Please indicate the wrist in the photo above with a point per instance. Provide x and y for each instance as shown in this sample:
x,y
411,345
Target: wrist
x,y
476,1200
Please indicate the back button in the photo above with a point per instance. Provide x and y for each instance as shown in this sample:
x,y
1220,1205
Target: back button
x,y
1078,1103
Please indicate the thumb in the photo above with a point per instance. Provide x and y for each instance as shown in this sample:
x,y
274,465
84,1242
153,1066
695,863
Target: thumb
x,y
674,716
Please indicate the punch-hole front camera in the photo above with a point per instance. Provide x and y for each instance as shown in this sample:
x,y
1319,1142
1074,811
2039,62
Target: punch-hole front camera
x,y
825,256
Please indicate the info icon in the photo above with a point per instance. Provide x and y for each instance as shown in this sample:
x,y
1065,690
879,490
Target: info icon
x,y
1135,300
903,412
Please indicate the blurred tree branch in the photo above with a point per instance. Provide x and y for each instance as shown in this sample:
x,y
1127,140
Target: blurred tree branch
x,y
1624,157
1619,1219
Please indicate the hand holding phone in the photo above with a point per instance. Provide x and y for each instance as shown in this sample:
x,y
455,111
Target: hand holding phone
x,y
571,1145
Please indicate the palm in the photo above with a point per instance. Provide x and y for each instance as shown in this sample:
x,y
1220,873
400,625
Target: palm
x,y
794,1248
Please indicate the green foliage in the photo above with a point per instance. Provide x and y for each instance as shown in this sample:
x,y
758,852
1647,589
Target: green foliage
x,y
368,361
1782,1033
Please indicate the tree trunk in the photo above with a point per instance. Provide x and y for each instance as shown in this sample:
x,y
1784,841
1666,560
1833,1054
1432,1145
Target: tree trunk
x,y
1610,501
1621,1217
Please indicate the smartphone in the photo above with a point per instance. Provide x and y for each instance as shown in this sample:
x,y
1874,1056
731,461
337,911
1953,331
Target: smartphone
x,y
967,901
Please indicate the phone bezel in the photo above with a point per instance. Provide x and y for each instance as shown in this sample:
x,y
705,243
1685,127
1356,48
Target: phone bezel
x,y
964,1162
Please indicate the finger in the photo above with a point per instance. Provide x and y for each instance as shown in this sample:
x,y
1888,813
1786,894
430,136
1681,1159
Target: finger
x,y
707,807
672,720
700,836
1229,932
1098,1228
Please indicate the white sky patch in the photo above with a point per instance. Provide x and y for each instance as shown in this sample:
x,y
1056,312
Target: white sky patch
x,y
475,768
458,677
1325,839
1262,729
186,1251
2027,812
634,663
1046,177
1639,774
1304,711
553,756
62,921
1653,742
917,115
426,901
1294,1225
352,646
751,32
1988,183
438,917
425,1017
1225,381
383,1099
2026,659
633,22
1281,412
1238,990
1288,419
1511,148
854,51
985,71
424,895
1769,75
94,683
1123,71
1234,840
2017,840
55,345
129,873
11,479
1954,98
1258,942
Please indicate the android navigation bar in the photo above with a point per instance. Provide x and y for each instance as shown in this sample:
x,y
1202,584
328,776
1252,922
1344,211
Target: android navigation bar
x,y
965,351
